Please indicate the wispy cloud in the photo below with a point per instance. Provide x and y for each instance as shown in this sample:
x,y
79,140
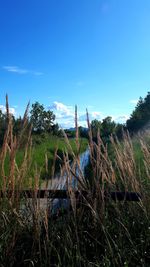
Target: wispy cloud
x,y
15,69
133,101
37,73
121,118
18,70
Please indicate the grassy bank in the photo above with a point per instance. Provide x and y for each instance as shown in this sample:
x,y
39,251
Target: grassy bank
x,y
42,155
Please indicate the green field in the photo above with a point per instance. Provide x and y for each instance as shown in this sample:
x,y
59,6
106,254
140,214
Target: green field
x,y
48,147
42,155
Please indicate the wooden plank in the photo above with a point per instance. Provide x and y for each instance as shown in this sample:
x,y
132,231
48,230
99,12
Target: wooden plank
x,y
63,194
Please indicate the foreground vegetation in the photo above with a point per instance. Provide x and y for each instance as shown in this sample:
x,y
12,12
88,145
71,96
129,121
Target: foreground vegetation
x,y
96,233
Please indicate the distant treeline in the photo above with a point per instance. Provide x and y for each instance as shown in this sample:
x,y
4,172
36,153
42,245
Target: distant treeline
x,y
139,120
42,122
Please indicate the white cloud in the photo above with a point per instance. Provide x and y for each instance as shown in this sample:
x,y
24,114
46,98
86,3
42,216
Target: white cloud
x,y
18,70
65,115
92,116
134,101
100,116
66,124
121,118
62,109
11,110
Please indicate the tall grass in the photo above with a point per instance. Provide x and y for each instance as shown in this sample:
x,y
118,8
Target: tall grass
x,y
96,233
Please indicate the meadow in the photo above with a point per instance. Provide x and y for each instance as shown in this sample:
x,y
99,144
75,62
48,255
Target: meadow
x,y
96,233
43,156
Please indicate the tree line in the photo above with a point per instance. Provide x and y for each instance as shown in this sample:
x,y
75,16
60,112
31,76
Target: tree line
x,y
43,121
139,120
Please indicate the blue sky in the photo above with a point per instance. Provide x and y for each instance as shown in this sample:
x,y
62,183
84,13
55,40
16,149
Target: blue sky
x,y
91,53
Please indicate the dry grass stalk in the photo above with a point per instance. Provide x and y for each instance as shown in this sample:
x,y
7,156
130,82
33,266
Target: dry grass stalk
x,y
24,126
107,174
90,136
77,132
54,161
125,162
68,144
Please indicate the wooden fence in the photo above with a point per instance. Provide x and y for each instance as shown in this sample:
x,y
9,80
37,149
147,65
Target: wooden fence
x,y
64,194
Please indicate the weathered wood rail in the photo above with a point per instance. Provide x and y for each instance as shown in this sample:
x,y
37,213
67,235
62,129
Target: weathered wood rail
x,y
64,194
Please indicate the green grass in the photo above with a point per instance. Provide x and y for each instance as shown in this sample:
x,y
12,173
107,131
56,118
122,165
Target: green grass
x,y
46,146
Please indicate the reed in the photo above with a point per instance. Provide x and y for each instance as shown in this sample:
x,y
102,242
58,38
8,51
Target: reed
x,y
95,233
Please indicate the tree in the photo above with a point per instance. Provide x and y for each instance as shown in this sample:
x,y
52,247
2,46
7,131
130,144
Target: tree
x,y
18,122
1,116
56,130
140,116
95,126
83,132
71,133
108,127
41,119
